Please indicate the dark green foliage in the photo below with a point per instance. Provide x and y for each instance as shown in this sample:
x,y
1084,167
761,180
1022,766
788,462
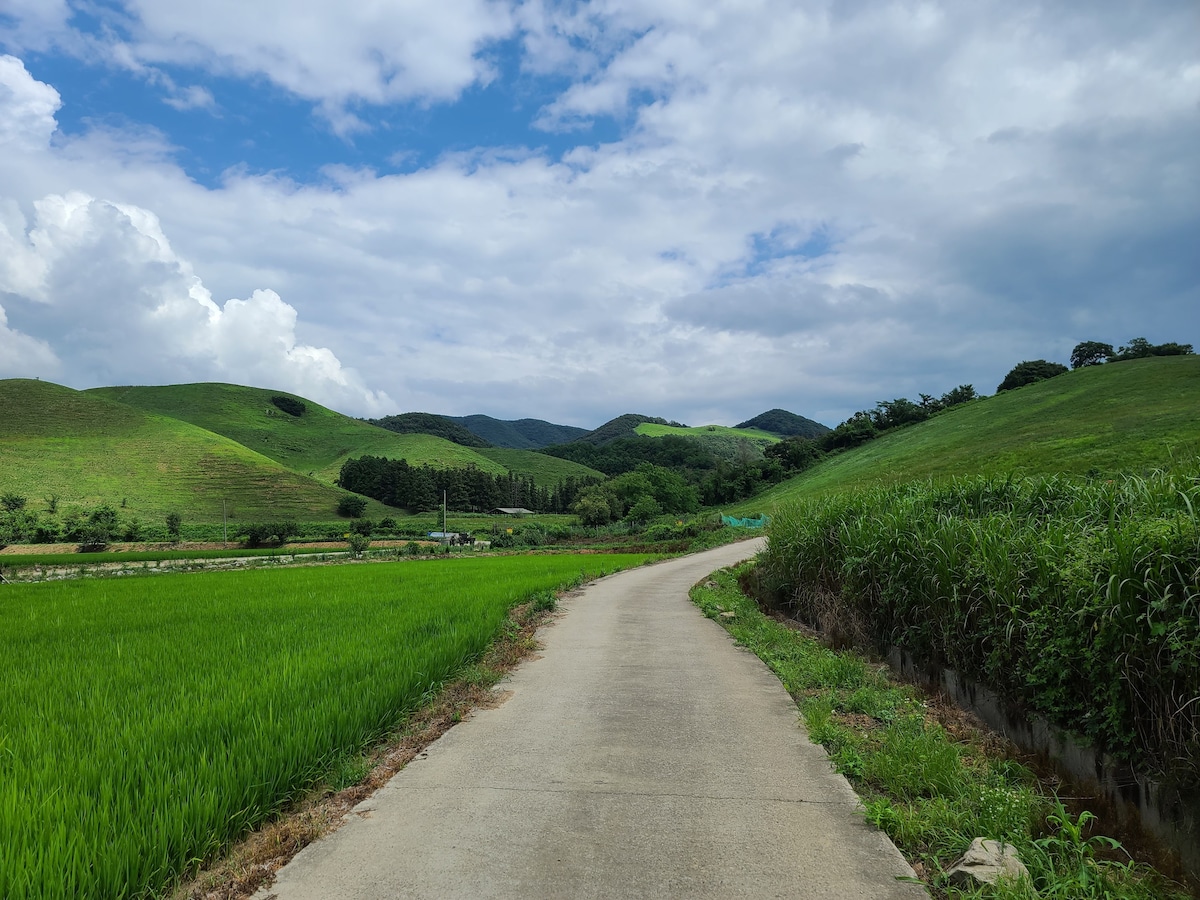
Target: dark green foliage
x,y
12,502
362,527
420,488
267,534
351,505
174,524
856,430
387,523
1029,372
428,423
795,454
289,405
519,434
784,424
1140,348
1078,598
98,529
1090,353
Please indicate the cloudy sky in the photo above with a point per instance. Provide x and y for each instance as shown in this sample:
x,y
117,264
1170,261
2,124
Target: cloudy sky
x,y
574,210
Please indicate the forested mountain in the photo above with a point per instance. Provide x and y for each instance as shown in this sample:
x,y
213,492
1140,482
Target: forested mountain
x,y
519,434
430,423
621,427
782,423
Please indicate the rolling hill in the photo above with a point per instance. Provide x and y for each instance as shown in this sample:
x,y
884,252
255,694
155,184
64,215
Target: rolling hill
x,y
1106,420
734,444
87,450
430,423
315,443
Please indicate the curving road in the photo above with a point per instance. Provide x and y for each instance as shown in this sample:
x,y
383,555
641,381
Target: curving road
x,y
643,754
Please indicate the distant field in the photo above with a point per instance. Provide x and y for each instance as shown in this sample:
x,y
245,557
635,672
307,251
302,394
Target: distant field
x,y
315,443
546,471
145,723
86,451
1125,417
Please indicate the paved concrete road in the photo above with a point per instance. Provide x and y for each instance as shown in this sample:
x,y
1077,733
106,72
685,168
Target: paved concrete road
x,y
643,755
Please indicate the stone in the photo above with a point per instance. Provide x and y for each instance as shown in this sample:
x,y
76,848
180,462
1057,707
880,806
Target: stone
x,y
984,862
728,615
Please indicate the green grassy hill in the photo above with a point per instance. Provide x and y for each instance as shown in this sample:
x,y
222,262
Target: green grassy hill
x,y
728,443
1121,417
315,443
87,450
546,471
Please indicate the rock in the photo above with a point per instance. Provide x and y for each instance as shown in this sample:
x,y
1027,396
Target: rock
x,y
728,615
984,862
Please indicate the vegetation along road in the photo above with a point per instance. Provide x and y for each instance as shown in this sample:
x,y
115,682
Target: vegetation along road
x,y
619,767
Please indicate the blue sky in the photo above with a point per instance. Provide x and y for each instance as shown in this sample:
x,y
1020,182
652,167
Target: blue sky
x,y
575,210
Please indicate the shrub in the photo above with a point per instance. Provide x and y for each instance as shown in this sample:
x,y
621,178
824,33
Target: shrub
x,y
12,502
98,529
174,524
358,543
289,405
361,527
1029,372
268,534
387,523
351,505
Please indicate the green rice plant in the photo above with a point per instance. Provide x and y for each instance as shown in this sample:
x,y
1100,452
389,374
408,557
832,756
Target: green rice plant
x,y
145,723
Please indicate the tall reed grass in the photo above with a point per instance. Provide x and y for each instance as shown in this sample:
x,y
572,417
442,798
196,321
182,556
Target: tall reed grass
x,y
147,722
1079,597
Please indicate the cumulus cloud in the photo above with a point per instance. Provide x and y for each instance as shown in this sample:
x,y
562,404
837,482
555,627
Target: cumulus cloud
x,y
103,279
811,205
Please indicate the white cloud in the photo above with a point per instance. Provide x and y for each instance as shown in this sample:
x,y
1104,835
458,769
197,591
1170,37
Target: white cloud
x,y
28,105
816,206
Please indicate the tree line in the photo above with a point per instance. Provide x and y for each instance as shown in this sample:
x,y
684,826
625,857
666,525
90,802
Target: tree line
x,y
467,489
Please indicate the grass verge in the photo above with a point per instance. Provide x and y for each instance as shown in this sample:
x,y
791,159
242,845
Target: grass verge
x,y
927,774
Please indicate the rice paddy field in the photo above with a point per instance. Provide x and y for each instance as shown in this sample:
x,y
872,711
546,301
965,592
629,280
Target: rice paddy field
x,y
145,723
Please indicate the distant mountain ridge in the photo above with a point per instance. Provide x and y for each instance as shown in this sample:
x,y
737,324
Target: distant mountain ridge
x,y
620,427
518,434
784,424
431,423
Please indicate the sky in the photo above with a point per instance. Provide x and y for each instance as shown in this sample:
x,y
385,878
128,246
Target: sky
x,y
570,210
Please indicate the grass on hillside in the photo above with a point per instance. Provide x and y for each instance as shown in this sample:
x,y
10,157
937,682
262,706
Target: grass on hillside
x,y
1127,417
315,443
546,471
733,444
147,722
86,451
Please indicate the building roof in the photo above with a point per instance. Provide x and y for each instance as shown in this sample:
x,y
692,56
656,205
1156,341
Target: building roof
x,y
513,510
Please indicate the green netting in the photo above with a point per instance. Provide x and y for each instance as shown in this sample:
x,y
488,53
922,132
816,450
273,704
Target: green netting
x,y
744,523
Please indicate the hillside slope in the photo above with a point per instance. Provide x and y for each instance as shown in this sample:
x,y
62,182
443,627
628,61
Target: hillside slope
x,y
1112,419
519,434
87,450
733,444
546,471
315,443
431,423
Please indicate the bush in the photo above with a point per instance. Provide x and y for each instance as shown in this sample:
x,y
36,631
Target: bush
x,y
289,405
358,543
268,534
361,527
1029,372
387,523
174,524
352,505
12,502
